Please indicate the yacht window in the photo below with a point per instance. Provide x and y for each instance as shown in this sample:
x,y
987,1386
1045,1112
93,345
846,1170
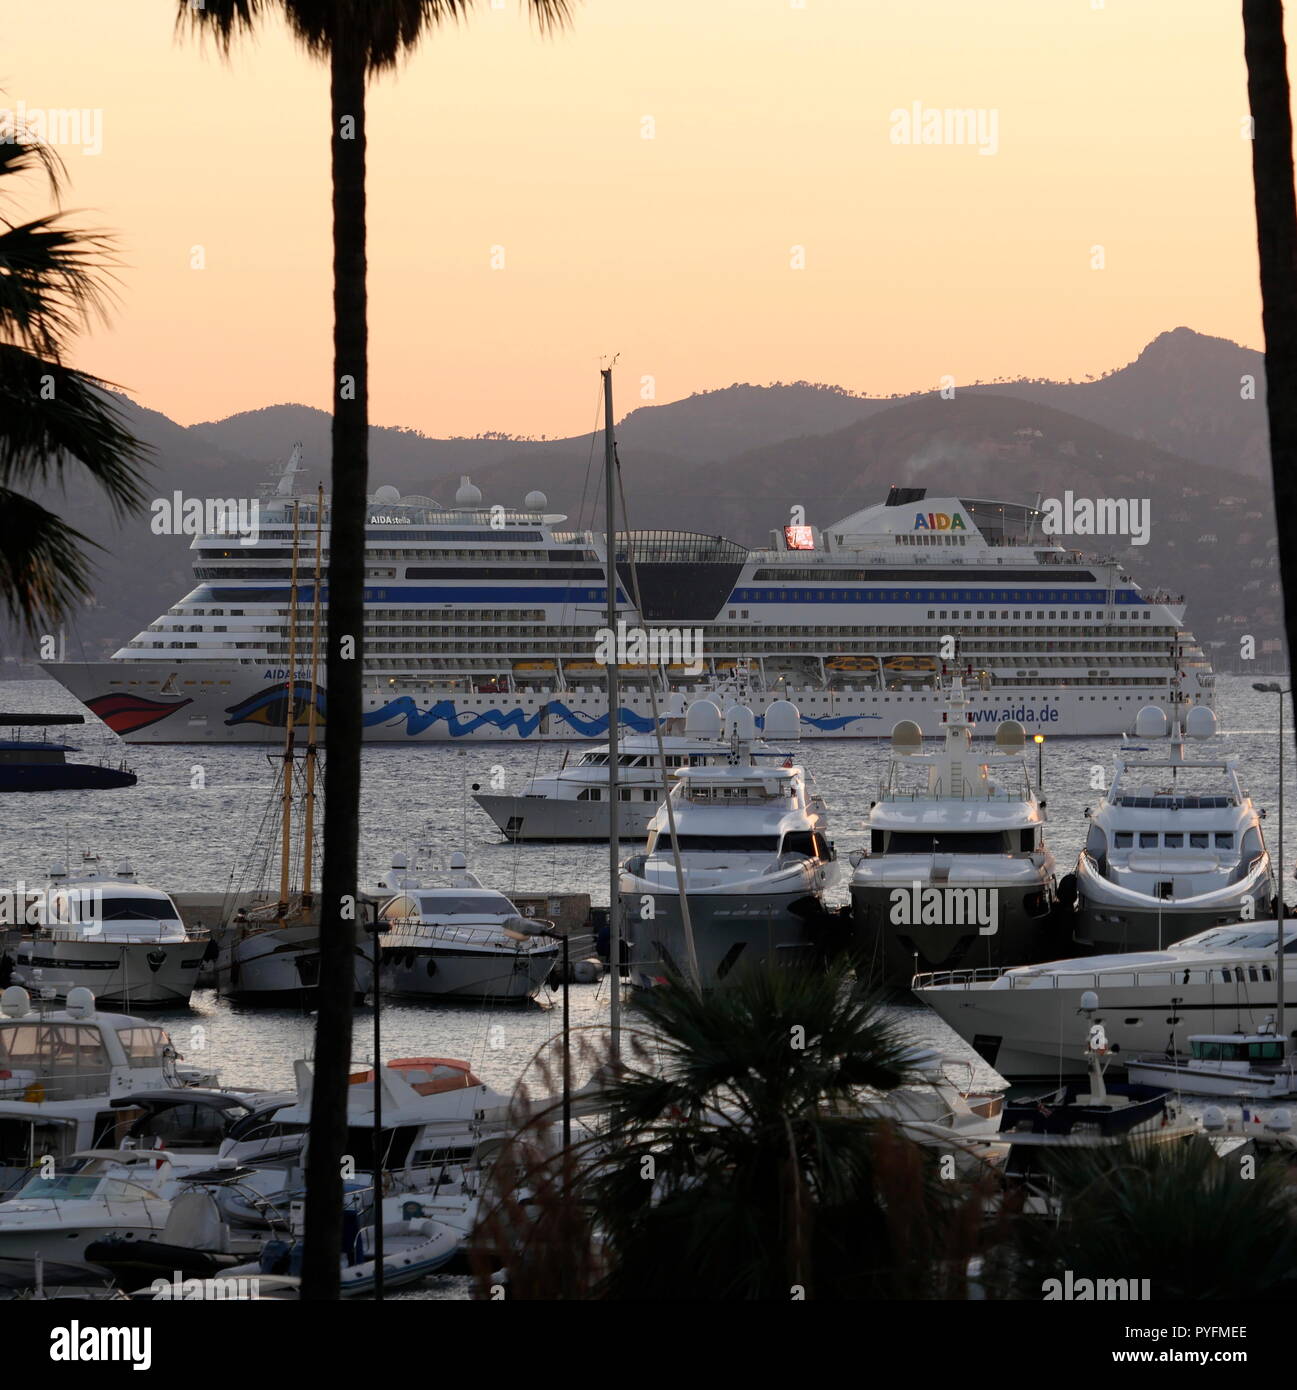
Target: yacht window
x,y
721,844
188,1126
805,842
1199,840
590,794
947,842
1174,839
1123,839
1210,1052
143,1046
461,904
1265,1052
137,910
877,839
1148,839
398,908
1028,839
70,1058
1225,840
625,793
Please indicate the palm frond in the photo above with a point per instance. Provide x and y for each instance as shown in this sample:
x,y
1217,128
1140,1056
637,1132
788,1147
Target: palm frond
x,y
51,415
379,32
52,281
44,565
20,154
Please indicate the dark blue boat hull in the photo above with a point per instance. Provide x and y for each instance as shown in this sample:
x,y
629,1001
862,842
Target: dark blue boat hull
x,y
61,777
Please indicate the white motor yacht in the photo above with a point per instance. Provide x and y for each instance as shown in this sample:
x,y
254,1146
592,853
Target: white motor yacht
x,y
750,851
1173,848
957,871
1249,1066
111,934
63,1070
464,941
1022,1020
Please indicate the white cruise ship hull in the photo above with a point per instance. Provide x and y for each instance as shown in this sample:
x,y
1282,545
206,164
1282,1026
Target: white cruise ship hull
x,y
121,975
153,702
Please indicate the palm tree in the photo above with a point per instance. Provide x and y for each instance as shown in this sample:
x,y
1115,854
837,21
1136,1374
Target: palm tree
x,y
358,38
1194,1225
1276,226
52,280
737,1163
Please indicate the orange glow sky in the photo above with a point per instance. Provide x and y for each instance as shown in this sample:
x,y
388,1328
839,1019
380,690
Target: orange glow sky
x,y
1119,126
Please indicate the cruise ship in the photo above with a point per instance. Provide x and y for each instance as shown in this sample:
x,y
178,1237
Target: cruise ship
x,y
487,622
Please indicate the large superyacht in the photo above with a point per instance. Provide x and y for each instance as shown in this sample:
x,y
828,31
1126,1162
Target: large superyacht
x,y
485,622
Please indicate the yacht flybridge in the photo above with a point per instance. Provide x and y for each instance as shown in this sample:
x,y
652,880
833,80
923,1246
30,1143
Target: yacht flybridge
x,y
483,622
1174,847
572,803
957,871
750,857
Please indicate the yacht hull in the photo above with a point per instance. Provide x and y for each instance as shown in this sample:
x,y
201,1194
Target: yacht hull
x,y
733,934
279,965
541,818
891,953
457,973
1105,922
129,975
1034,1032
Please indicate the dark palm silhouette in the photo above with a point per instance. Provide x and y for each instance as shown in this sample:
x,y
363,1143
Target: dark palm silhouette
x,y
736,1163
1276,226
53,278
357,38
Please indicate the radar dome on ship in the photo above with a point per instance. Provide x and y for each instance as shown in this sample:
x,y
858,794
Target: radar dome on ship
x,y
535,501
467,495
703,720
387,494
783,720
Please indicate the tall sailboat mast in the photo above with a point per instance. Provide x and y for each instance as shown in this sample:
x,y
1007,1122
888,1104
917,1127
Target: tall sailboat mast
x,y
614,826
286,791
308,827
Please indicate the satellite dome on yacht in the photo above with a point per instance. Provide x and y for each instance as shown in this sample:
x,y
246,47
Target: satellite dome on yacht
x,y
467,495
535,501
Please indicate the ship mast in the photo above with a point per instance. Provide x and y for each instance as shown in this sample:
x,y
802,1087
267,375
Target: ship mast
x,y
286,791
308,828
614,749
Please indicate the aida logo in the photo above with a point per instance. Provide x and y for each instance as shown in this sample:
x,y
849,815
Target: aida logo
x,y
938,521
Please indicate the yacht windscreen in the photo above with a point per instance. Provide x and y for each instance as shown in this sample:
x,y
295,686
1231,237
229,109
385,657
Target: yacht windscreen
x,y
1221,937
137,910
946,842
464,904
721,844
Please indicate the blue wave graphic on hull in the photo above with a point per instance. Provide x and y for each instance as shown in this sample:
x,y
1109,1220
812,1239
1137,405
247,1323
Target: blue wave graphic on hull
x,y
506,721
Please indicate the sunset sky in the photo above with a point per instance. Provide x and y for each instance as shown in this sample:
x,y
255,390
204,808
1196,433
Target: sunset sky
x,y
1118,125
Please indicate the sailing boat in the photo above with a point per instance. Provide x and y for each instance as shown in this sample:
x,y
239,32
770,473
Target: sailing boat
x,y
269,948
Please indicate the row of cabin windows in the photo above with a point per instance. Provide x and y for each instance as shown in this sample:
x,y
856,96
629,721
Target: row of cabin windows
x,y
623,794
1172,839
808,843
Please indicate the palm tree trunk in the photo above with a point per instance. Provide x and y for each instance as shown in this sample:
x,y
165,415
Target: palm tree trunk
x,y
339,909
1276,226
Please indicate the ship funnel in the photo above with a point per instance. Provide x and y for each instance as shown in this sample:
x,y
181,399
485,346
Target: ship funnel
x,y
907,737
1010,737
1151,722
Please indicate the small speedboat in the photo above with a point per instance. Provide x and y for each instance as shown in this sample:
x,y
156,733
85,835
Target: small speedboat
x,y
1252,1066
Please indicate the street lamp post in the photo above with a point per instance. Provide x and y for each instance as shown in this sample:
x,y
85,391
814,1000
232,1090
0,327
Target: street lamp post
x,y
1274,688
